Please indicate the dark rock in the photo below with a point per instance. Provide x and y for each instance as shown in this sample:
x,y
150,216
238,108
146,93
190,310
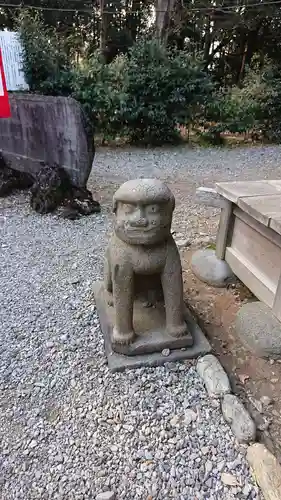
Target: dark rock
x,y
12,179
69,213
82,201
52,188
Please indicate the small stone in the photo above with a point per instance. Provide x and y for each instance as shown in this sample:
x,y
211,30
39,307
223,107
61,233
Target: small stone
x,y
263,424
208,469
189,416
265,400
239,419
182,243
247,490
257,404
229,479
107,495
173,471
209,268
213,375
174,421
166,352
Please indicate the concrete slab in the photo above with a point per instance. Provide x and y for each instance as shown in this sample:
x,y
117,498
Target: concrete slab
x,y
58,135
119,362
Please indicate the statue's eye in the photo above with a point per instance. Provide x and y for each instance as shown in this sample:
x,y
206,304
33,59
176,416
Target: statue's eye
x,y
153,209
128,208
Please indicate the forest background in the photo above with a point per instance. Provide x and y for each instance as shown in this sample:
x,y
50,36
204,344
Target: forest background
x,y
154,73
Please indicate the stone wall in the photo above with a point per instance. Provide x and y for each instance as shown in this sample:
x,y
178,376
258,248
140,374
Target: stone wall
x,y
47,128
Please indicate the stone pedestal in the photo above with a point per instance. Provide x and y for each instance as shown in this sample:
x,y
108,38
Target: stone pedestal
x,y
153,346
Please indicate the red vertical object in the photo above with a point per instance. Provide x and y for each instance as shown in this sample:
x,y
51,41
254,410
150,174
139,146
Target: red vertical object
x,y
5,111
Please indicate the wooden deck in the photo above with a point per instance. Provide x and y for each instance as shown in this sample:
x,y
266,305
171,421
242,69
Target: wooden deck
x,y
260,199
249,236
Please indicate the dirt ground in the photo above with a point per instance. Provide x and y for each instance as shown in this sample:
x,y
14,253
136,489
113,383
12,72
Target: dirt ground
x,y
256,380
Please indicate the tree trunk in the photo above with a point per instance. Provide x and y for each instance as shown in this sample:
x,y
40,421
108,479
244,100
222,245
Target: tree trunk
x,y
103,27
163,10
207,39
243,63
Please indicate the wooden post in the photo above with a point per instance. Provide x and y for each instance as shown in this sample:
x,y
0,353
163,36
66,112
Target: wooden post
x,y
225,226
276,309
211,198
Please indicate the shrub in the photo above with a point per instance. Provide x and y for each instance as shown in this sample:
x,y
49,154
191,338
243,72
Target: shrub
x,y
271,103
255,107
99,87
146,95
234,110
163,90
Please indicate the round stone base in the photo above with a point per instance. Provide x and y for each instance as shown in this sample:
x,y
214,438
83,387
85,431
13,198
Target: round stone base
x,y
259,330
208,268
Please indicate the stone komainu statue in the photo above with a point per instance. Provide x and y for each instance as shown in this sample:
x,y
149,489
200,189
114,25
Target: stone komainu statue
x,y
142,255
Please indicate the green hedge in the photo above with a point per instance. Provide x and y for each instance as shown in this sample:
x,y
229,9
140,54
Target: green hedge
x,y
145,95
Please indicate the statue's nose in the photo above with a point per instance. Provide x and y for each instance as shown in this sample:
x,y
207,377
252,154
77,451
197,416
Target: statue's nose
x,y
139,220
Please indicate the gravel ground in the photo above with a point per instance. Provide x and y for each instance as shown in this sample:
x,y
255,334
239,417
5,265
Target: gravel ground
x,y
184,169
69,429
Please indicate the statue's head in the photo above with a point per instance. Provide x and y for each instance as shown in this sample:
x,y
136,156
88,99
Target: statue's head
x,y
143,211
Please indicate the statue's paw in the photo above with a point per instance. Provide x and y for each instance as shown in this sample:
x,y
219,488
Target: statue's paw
x,y
122,338
110,302
177,330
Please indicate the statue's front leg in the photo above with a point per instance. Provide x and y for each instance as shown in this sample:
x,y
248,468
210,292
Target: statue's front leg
x,y
172,285
107,271
107,277
123,296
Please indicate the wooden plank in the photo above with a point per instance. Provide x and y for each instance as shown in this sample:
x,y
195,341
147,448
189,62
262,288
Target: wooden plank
x,y
276,184
275,224
210,197
235,190
249,276
262,208
261,253
277,301
267,232
223,234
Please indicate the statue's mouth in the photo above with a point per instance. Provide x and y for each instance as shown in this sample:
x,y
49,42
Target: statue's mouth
x,y
141,230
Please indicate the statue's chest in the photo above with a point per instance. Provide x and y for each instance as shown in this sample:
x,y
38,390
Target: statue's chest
x,y
148,260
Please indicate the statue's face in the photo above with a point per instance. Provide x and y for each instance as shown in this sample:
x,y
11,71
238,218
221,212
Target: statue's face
x,y
143,224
